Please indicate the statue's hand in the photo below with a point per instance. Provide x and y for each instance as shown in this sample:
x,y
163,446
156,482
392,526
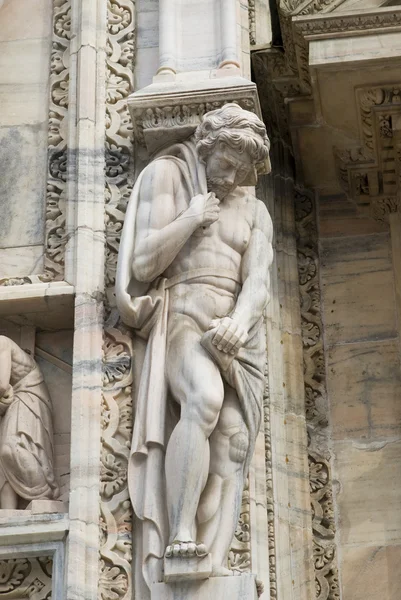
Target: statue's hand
x,y
6,400
230,335
205,209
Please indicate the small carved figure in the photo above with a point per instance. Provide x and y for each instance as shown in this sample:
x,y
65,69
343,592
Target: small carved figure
x,y
26,429
193,281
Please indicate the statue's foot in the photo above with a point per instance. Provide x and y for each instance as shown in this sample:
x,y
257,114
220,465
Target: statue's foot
x,y
179,549
260,588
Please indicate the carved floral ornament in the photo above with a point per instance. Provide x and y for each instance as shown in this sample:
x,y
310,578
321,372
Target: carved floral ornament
x,y
115,568
371,174
176,118
320,478
29,578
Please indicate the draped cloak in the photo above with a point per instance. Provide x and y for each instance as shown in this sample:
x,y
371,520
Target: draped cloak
x,y
27,423
144,307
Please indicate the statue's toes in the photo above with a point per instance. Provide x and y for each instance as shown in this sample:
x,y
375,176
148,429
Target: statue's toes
x,y
184,549
169,552
191,549
201,550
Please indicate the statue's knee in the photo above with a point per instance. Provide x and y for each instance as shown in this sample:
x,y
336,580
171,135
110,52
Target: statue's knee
x,y
239,444
205,409
7,455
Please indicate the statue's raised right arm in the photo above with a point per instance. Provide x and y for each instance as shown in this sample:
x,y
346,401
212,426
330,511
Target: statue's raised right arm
x,y
162,229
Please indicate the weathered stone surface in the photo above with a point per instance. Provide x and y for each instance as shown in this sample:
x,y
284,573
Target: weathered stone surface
x,y
358,289
364,385
369,500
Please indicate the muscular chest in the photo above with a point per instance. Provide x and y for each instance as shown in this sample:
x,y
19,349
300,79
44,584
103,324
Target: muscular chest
x,y
233,227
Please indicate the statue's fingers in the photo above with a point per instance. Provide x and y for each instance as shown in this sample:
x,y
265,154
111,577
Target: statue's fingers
x,y
239,343
226,343
218,336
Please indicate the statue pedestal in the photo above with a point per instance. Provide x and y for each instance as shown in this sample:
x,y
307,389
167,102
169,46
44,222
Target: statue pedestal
x,y
241,587
187,569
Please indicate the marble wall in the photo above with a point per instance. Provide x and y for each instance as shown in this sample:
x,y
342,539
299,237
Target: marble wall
x,y
25,47
364,390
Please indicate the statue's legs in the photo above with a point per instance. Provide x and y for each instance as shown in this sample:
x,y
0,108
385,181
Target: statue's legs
x,y
221,499
195,382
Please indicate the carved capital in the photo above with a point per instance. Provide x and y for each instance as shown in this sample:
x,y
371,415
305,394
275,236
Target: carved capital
x,y
162,115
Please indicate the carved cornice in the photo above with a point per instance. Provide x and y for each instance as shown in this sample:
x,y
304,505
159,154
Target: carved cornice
x,y
351,22
308,7
166,116
299,28
163,113
304,29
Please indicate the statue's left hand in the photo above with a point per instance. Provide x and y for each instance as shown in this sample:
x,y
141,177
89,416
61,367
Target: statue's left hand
x,y
230,335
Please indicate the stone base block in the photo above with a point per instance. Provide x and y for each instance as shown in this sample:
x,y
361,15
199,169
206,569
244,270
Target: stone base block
x,y
241,587
39,507
187,569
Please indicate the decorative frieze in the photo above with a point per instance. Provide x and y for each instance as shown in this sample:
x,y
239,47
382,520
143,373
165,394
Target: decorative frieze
x,y
252,22
161,116
368,20
116,514
55,236
115,568
316,407
269,489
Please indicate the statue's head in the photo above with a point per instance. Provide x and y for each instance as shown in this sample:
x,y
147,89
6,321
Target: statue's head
x,y
232,142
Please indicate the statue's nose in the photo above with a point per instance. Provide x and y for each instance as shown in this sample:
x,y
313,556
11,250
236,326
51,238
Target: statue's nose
x,y
230,177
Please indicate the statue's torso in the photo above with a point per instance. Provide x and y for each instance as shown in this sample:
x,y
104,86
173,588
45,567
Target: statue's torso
x,y
222,245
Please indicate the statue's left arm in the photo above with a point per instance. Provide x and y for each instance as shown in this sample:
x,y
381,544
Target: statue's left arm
x,y
233,330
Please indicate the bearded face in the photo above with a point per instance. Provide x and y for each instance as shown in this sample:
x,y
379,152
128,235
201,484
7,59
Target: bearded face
x,y
226,169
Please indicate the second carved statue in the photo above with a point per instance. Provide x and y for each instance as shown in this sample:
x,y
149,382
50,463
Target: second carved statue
x,y
193,282
26,430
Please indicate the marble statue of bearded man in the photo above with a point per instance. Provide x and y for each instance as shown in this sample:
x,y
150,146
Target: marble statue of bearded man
x,y
193,282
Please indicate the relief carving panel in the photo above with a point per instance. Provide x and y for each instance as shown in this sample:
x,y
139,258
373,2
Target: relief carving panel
x,y
323,524
29,578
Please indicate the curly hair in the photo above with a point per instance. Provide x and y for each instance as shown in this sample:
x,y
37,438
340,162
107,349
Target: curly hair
x,y
240,129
